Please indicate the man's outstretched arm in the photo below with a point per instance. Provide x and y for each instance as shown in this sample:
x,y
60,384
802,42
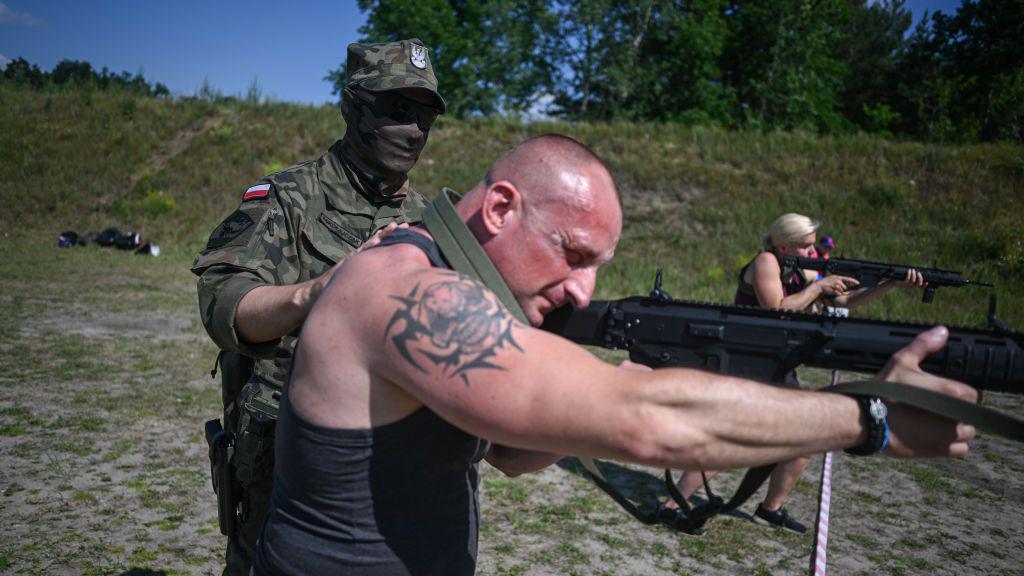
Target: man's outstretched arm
x,y
448,343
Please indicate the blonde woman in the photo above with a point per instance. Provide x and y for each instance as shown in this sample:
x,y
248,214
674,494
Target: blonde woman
x,y
766,282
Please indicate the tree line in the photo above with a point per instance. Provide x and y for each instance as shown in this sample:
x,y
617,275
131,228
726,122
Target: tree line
x,y
78,74
822,65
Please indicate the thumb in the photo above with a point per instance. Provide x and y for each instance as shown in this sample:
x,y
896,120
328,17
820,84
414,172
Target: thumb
x,y
925,344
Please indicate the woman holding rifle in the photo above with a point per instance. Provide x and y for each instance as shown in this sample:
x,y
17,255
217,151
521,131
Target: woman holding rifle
x,y
766,282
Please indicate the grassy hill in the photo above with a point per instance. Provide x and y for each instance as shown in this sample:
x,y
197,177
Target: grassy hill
x,y
697,200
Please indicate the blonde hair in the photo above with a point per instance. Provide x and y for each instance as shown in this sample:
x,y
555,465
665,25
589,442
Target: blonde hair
x,y
789,229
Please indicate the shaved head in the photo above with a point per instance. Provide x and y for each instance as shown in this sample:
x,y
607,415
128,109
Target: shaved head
x,y
553,168
547,214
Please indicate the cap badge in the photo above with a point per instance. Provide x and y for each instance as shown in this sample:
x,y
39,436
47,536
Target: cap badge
x,y
418,57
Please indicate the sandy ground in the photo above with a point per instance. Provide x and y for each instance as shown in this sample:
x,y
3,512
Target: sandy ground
x,y
104,386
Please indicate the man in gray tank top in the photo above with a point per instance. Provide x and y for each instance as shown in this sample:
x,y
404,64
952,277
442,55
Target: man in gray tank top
x,y
379,438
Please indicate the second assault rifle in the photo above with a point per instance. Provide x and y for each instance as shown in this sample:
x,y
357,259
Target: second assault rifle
x,y
869,274
766,344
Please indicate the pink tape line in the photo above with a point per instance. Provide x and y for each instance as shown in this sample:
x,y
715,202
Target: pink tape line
x,y
820,555
818,559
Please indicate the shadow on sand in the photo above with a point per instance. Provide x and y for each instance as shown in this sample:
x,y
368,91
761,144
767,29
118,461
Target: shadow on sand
x,y
644,489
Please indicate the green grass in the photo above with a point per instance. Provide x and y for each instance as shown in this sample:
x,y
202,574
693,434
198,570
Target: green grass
x,y
929,480
697,200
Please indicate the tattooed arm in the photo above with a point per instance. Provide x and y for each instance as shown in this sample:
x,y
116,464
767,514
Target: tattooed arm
x,y
452,346
388,337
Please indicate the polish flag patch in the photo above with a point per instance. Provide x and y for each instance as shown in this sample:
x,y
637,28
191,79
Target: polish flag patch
x,y
257,191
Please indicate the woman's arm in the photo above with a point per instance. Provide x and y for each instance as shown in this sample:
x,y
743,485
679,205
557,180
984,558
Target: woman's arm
x,y
770,294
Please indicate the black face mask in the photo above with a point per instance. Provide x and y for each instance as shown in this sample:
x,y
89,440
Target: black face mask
x,y
386,133
398,108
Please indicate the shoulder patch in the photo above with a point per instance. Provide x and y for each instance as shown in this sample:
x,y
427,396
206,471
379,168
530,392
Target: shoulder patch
x,y
257,191
230,229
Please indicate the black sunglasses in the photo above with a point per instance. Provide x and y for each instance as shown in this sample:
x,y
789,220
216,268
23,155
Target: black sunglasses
x,y
399,108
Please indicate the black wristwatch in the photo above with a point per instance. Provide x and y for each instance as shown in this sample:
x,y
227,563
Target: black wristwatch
x,y
875,413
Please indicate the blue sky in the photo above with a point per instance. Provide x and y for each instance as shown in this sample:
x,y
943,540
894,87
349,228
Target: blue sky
x,y
287,47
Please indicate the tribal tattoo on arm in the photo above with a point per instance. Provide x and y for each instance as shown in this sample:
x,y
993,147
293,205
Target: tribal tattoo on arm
x,y
454,324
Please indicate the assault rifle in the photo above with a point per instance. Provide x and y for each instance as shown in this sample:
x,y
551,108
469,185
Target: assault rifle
x,y
871,273
765,344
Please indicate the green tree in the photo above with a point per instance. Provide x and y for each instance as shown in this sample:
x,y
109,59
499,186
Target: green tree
x,y
21,73
782,62
961,75
642,59
489,55
870,49
78,74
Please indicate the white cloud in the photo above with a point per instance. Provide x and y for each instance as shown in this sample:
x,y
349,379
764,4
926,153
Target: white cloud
x,y
8,16
3,61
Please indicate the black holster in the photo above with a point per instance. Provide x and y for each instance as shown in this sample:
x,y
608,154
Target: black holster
x,y
225,485
235,371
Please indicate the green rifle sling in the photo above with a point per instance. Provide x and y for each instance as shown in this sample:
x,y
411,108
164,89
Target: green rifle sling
x,y
462,250
980,417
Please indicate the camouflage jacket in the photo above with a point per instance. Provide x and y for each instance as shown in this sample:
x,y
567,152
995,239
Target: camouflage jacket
x,y
306,220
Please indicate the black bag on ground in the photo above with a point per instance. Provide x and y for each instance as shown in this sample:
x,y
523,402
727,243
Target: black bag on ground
x,y
116,238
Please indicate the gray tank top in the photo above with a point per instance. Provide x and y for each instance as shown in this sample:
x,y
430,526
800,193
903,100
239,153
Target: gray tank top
x,y
398,499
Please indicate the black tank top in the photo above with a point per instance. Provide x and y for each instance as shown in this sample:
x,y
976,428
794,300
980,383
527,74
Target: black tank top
x,y
792,282
398,499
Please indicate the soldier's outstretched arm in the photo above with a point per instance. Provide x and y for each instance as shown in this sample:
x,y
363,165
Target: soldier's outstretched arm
x,y
269,312
249,293
446,340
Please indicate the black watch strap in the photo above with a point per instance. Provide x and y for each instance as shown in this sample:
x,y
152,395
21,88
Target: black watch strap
x,y
874,413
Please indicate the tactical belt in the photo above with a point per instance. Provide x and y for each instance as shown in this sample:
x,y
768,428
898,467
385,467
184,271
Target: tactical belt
x,y
463,252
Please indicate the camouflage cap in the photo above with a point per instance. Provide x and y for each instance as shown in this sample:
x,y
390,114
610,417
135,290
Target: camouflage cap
x,y
402,64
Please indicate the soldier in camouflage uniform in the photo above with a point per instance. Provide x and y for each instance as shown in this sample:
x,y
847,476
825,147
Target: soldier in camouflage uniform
x,y
266,264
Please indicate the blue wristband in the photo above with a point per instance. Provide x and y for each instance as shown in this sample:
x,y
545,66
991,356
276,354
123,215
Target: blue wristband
x,y
885,442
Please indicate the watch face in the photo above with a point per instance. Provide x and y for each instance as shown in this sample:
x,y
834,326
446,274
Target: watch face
x,y
878,410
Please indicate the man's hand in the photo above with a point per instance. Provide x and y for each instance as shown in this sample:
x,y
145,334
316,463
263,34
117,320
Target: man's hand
x,y
915,433
380,234
269,312
317,285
